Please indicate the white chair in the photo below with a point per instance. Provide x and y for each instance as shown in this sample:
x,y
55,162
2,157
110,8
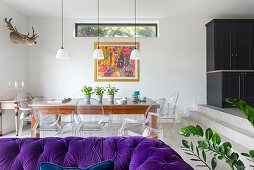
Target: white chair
x,y
47,122
145,128
90,118
25,113
170,108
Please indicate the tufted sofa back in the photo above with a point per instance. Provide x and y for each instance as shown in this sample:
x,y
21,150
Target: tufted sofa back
x,y
134,153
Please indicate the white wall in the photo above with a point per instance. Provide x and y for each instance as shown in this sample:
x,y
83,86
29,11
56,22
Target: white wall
x,y
174,62
14,59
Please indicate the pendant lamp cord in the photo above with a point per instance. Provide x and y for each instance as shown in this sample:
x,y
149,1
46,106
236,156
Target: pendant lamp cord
x,y
62,25
135,24
98,33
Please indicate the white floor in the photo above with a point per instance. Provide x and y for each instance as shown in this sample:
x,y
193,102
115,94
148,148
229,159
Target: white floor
x,y
171,138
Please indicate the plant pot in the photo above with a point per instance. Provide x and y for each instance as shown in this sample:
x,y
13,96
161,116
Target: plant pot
x,y
87,98
111,98
99,97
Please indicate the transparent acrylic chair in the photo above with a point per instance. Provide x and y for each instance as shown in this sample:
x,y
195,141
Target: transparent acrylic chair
x,y
25,113
90,118
147,127
170,108
47,121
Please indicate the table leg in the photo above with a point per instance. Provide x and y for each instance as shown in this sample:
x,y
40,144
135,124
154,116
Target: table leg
x,y
154,122
16,109
33,121
1,126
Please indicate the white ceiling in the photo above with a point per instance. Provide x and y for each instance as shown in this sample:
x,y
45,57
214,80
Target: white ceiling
x,y
204,9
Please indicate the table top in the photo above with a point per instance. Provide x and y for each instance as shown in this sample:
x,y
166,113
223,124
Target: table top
x,y
105,102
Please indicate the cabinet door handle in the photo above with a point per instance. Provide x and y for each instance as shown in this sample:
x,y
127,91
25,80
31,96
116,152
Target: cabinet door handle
x,y
239,90
236,54
243,84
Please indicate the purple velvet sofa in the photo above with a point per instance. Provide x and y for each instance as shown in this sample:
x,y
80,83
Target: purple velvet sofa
x,y
134,153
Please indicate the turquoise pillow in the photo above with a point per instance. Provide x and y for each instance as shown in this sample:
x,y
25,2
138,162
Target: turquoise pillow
x,y
105,165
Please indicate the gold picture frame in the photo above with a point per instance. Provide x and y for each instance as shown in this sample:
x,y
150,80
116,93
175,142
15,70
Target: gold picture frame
x,y
103,79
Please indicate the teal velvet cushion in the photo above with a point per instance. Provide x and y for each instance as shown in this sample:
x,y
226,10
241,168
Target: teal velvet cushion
x,y
106,165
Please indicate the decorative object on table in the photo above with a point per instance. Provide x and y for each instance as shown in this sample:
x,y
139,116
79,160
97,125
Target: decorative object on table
x,y
116,65
88,91
17,37
98,54
62,53
111,91
99,91
121,101
142,99
135,97
135,54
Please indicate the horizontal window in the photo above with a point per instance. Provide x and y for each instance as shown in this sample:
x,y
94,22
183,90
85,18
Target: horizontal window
x,y
115,30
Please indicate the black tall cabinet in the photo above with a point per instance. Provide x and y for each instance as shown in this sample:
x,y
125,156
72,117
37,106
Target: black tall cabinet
x,y
230,61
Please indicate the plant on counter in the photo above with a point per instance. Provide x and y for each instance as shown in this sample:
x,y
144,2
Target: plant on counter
x,y
210,143
249,113
87,90
99,90
111,90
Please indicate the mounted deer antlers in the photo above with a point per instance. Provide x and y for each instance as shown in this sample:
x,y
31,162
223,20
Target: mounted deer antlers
x,y
20,38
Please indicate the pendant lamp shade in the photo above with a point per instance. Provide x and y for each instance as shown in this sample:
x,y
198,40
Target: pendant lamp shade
x,y
135,54
98,54
62,53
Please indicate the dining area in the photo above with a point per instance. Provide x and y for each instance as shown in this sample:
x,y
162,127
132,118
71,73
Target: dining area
x,y
92,115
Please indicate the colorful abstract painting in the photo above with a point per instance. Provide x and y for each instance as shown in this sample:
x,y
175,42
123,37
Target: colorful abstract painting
x,y
117,65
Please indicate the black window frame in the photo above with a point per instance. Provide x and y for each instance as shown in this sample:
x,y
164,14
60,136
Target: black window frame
x,y
118,24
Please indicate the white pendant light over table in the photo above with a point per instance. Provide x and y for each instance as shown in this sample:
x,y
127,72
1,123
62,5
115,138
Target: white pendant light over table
x,y
135,54
98,54
62,53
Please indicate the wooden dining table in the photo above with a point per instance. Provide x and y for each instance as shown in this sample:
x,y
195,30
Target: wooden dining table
x,y
109,108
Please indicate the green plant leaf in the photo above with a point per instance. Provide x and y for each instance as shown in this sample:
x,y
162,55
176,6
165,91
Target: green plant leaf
x,y
240,165
185,143
199,131
197,150
221,157
216,147
227,144
228,152
204,155
191,145
216,138
214,162
251,152
203,144
234,156
245,154
222,149
195,160
230,161
208,134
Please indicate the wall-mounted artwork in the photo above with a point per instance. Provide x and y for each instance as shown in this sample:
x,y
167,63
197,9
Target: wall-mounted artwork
x,y
117,65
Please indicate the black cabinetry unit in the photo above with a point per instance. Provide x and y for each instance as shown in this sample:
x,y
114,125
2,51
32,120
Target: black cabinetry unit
x,y
230,44
222,85
230,61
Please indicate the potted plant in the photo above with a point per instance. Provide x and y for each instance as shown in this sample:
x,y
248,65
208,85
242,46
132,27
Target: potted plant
x,y
99,91
87,92
111,91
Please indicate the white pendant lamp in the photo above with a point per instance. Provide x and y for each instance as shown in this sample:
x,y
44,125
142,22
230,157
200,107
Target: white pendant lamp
x,y
98,54
62,53
135,54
